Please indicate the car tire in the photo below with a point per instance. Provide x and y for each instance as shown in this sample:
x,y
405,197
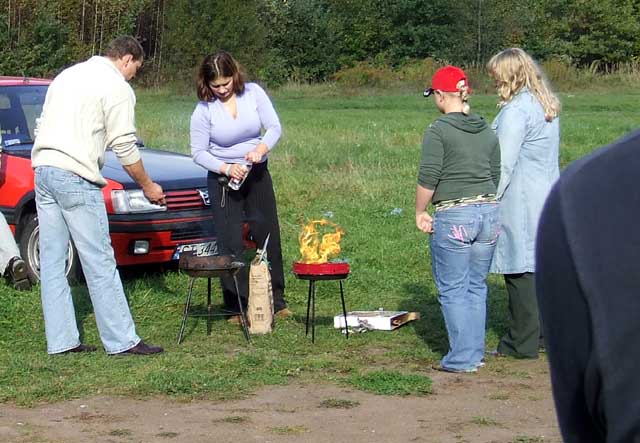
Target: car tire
x,y
30,249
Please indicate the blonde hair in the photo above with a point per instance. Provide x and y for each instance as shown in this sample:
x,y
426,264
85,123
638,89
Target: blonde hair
x,y
514,69
463,94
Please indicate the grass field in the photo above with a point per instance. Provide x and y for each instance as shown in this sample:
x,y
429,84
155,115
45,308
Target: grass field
x,y
354,157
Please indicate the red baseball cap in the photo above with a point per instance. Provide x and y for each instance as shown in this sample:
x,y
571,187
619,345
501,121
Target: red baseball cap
x,y
446,80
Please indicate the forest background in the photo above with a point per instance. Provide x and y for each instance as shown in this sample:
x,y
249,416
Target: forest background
x,y
378,43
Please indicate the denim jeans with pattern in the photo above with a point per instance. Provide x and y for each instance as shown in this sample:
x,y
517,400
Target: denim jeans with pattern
x,y
462,247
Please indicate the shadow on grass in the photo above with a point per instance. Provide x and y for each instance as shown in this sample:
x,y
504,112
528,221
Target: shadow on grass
x,y
152,271
139,281
431,328
196,322
497,311
83,307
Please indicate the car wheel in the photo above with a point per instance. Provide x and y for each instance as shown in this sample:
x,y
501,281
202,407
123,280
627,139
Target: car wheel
x,y
30,252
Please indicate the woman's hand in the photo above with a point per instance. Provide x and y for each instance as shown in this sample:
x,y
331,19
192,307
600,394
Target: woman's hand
x,y
237,171
424,222
256,155
253,157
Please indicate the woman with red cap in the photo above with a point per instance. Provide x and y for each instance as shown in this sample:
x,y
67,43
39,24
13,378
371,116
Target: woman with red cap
x,y
459,173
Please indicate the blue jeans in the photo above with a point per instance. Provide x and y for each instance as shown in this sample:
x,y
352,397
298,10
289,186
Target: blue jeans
x,y
70,206
462,247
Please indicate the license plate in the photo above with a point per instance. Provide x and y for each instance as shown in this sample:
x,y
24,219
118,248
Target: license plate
x,y
203,249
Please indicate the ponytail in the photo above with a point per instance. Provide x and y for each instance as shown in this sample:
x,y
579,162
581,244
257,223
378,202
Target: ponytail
x,y
463,91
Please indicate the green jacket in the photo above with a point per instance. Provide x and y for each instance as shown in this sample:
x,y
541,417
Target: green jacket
x,y
460,157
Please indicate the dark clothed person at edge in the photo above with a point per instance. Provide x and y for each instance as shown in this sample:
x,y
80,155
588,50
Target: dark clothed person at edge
x,y
11,265
588,282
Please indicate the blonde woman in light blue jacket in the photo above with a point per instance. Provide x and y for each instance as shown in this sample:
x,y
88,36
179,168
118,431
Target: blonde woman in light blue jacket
x,y
529,133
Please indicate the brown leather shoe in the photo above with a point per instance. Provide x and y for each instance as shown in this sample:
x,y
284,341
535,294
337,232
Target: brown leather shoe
x,y
284,313
80,348
16,273
142,349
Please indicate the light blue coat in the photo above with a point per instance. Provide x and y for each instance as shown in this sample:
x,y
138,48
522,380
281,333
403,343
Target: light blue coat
x,y
529,147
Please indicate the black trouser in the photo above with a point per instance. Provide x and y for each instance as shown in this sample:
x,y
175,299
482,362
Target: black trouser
x,y
524,336
254,202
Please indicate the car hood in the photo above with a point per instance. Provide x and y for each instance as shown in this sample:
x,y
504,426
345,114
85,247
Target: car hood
x,y
169,169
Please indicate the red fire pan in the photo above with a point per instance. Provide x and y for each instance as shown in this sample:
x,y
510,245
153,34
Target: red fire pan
x,y
320,269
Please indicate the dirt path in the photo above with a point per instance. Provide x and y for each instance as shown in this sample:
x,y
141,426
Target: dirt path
x,y
508,401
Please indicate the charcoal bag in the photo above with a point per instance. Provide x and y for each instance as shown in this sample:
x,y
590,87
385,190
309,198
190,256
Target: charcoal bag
x,y
260,306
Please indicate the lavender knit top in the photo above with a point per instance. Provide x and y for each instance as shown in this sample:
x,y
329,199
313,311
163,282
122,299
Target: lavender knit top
x,y
217,137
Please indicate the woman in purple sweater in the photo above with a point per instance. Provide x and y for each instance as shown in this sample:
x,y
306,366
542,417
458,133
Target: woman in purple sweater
x,y
227,140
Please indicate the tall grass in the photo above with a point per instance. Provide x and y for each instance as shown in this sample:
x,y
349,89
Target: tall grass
x,y
351,157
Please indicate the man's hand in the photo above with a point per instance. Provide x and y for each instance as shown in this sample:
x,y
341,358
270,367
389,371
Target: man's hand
x,y
154,193
151,190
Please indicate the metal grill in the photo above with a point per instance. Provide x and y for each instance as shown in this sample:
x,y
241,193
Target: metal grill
x,y
211,267
187,199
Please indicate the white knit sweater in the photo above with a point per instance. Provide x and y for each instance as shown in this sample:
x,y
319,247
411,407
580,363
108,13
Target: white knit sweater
x,y
89,107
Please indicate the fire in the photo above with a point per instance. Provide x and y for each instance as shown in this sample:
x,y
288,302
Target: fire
x,y
315,251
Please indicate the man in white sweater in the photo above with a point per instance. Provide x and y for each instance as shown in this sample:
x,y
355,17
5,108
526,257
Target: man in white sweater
x,y
89,107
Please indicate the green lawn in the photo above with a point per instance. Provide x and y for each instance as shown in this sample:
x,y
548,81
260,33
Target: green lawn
x,y
352,156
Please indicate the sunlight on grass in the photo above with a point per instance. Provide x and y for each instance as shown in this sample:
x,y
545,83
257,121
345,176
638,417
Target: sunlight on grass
x,y
392,383
354,156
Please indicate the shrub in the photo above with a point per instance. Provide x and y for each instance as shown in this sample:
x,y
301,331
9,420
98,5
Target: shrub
x,y
564,75
364,74
418,72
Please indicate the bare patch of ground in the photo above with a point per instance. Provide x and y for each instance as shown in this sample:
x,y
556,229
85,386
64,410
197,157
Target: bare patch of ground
x,y
508,401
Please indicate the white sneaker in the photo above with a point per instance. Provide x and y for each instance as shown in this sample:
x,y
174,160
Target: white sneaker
x,y
441,368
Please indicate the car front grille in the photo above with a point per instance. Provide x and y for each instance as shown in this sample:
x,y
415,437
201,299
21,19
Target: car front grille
x,y
194,231
187,199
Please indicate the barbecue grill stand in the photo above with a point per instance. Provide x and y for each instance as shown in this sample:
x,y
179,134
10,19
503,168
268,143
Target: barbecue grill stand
x,y
202,267
334,272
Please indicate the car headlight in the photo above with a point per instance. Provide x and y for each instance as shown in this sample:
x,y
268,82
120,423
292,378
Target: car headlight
x,y
133,201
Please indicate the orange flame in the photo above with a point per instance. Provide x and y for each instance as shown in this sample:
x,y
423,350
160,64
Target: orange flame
x,y
315,251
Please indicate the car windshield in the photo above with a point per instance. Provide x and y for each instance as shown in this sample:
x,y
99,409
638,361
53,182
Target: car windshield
x,y
19,108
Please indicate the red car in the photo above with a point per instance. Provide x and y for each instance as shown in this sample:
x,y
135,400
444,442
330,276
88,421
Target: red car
x,y
140,233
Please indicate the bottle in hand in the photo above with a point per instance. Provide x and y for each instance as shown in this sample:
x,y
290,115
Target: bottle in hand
x,y
235,184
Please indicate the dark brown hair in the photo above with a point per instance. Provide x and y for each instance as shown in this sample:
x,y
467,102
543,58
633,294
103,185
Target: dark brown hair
x,y
220,64
125,45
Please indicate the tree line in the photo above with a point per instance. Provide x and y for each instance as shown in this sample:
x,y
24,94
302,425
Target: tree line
x,y
311,40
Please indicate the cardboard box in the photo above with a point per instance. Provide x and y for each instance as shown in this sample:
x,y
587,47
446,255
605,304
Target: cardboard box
x,y
378,320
